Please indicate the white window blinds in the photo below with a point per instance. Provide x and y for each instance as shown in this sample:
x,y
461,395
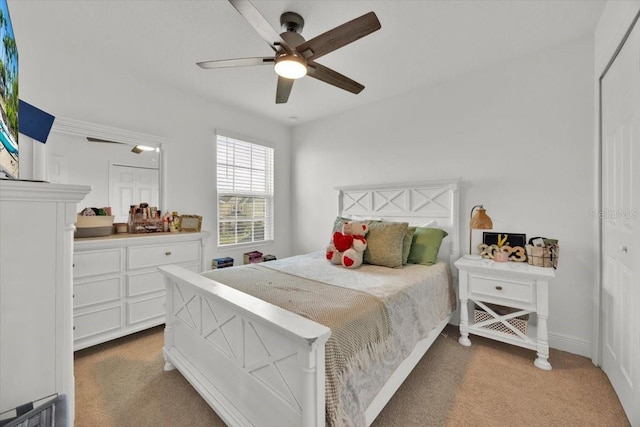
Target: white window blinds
x,y
245,191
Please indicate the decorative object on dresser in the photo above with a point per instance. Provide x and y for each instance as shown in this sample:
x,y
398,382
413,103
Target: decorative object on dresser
x,y
36,350
94,225
518,289
117,287
189,223
478,221
144,219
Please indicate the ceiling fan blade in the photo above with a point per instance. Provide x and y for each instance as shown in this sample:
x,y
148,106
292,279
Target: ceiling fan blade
x,y
334,78
283,90
261,25
240,62
340,36
92,139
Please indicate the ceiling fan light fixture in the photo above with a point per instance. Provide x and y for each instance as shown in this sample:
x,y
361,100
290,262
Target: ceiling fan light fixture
x,y
290,66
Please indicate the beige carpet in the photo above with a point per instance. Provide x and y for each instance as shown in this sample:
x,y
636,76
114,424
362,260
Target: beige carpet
x,y
122,383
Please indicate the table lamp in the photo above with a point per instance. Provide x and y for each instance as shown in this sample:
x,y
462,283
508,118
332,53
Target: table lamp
x,y
479,221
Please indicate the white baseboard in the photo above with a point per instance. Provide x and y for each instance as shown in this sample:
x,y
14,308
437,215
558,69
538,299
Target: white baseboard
x,y
560,342
570,344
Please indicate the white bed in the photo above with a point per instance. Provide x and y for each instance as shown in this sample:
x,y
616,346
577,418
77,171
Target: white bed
x,y
258,364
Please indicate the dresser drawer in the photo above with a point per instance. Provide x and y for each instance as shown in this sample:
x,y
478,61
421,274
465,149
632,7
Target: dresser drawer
x,y
144,283
493,288
97,322
170,253
96,292
146,309
92,263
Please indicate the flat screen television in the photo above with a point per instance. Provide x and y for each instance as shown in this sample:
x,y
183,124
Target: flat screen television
x,y
8,96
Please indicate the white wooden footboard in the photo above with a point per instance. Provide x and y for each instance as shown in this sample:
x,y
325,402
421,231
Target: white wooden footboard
x,y
253,362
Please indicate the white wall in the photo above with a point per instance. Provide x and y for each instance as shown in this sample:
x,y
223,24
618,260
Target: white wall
x,y
519,135
187,122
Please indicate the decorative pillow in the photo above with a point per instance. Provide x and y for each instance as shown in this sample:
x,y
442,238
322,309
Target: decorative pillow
x,y
425,245
385,241
406,246
337,223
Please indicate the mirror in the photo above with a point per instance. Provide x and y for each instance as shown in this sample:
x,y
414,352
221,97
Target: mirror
x,y
119,174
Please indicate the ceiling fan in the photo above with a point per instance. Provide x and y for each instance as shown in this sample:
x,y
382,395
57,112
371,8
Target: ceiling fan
x,y
294,57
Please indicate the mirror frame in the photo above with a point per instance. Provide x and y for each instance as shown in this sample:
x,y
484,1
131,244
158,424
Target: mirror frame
x,y
83,129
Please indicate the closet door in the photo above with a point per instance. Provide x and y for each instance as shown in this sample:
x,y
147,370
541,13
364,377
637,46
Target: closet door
x,y
620,115
131,185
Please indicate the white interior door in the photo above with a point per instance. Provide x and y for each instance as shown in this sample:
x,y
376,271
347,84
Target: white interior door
x,y
131,185
620,104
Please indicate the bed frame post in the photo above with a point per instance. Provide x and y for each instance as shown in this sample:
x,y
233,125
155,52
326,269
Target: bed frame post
x,y
313,407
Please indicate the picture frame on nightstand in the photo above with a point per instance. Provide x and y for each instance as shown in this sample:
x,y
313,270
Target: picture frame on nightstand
x,y
512,239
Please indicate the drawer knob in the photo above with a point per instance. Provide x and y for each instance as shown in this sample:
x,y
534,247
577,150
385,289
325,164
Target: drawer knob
x,y
167,253
499,288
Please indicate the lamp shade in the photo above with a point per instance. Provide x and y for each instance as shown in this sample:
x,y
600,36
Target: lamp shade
x,y
480,221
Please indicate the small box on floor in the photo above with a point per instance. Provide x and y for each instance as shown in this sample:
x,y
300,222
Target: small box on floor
x,y
222,262
253,257
269,258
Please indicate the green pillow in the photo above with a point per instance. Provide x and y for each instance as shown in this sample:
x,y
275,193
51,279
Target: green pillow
x,y
385,241
425,245
406,246
337,224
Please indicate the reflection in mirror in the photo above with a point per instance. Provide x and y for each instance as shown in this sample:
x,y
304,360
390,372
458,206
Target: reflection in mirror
x,y
118,174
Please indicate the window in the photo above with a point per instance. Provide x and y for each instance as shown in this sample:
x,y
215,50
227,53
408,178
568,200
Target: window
x,y
245,192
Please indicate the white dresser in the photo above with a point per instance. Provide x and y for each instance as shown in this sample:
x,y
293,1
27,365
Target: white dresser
x,y
116,284
36,249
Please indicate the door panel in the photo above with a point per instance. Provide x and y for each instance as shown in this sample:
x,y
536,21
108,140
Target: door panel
x,y
620,112
130,185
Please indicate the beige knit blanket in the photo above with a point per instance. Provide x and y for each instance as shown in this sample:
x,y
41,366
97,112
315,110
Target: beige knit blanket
x,y
359,321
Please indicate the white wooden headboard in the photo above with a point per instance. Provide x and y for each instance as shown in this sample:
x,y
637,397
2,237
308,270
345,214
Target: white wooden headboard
x,y
417,203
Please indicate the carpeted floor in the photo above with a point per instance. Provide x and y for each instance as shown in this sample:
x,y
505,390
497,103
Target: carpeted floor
x,y
122,383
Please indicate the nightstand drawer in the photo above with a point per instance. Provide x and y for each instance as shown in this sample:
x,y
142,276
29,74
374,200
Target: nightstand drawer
x,y
508,290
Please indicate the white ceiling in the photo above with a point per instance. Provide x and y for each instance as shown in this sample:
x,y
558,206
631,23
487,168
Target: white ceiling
x,y
420,43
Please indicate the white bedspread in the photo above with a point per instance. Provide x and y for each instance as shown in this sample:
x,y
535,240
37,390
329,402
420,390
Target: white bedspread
x,y
417,297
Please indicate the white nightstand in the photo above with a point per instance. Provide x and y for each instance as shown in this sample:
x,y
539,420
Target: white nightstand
x,y
515,285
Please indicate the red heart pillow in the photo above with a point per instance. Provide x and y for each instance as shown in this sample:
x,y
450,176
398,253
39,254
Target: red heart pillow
x,y
341,241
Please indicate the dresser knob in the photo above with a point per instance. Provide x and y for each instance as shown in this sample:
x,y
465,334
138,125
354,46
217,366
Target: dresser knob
x,y
167,253
623,249
499,288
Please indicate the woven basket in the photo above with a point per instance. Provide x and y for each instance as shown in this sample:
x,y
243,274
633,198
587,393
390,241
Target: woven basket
x,y
543,257
520,322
